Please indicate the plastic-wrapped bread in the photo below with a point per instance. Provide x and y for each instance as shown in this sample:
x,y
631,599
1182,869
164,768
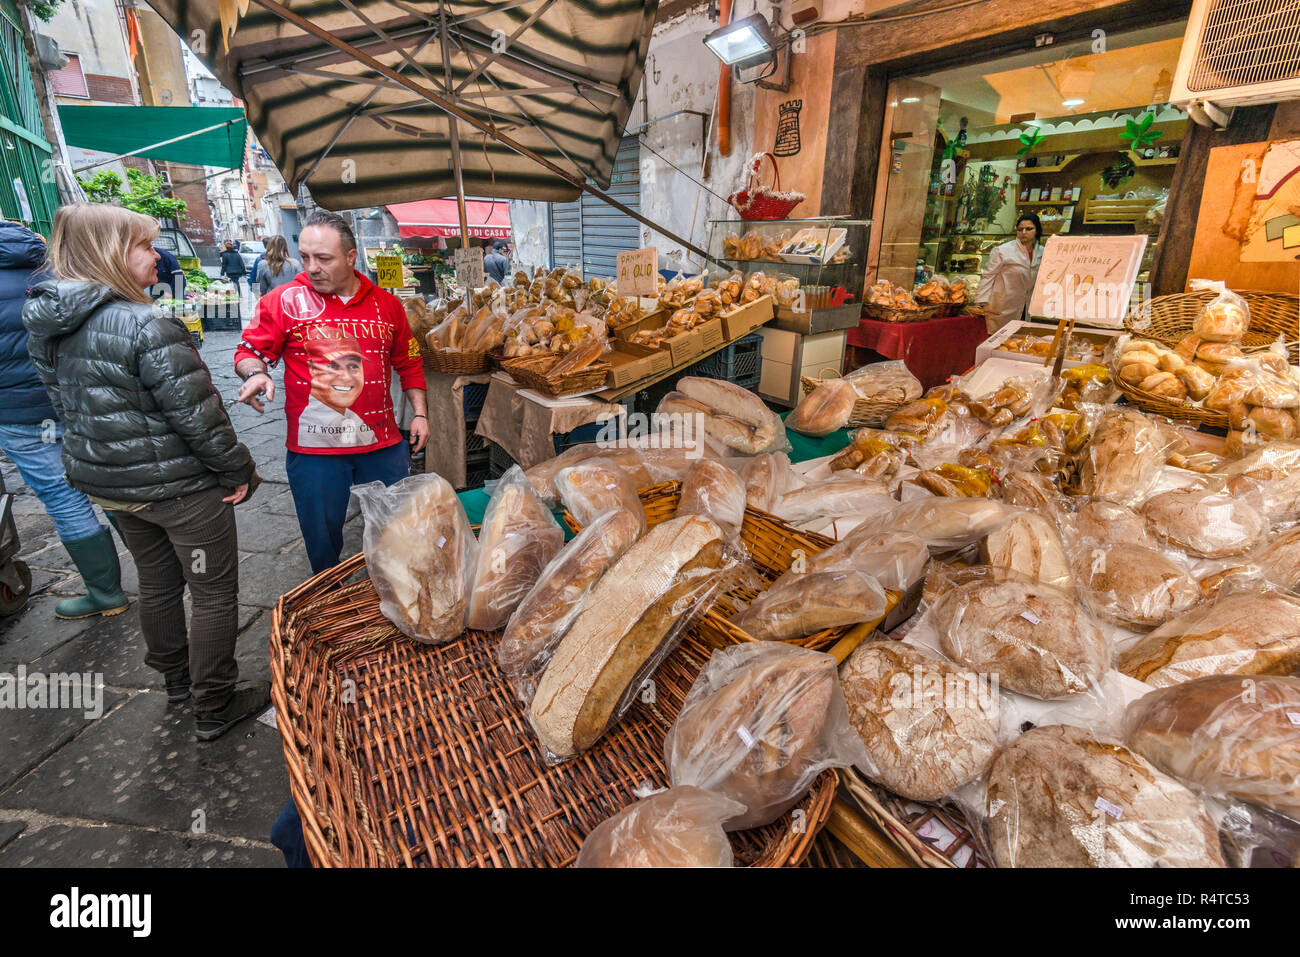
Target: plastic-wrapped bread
x,y
798,605
924,741
760,723
1269,478
714,491
630,622
518,538
896,560
943,523
1124,458
1227,736
592,488
1243,633
767,477
1205,523
420,553
1039,641
1031,545
679,827
1062,796
1133,586
545,613
1111,524
845,493
825,409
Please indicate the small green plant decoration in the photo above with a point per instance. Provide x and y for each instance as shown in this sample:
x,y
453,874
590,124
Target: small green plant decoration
x,y
1118,173
1029,139
1140,135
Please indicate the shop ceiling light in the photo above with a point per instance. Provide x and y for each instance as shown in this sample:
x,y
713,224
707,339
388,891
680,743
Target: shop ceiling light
x,y
745,41
1071,104
911,99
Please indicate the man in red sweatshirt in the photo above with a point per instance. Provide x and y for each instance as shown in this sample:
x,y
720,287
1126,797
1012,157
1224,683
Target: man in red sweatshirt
x,y
341,338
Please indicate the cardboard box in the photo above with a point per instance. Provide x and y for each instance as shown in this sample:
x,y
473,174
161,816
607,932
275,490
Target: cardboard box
x,y
630,362
747,318
989,347
654,320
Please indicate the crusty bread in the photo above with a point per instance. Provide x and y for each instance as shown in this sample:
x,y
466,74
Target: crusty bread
x,y
1061,796
895,559
730,431
591,488
1035,638
1227,735
1204,523
1111,524
824,409
679,827
630,612
798,605
923,743
946,523
727,398
1269,478
1240,634
546,612
1126,451
518,538
1222,320
766,479
1131,585
714,491
1031,545
844,493
543,474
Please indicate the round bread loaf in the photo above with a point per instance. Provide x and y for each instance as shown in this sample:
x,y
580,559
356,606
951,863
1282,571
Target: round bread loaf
x,y
1031,545
1132,585
1227,735
1036,639
1111,524
1222,320
679,827
928,726
1124,457
1061,796
824,409
1204,523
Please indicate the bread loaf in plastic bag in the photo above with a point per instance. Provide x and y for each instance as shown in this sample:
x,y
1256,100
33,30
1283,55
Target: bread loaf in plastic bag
x,y
589,489
679,827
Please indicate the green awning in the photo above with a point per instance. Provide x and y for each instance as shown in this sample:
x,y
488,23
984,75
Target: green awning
x,y
128,129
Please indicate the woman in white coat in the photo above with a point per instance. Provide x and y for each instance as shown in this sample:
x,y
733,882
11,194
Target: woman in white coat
x,y
1008,279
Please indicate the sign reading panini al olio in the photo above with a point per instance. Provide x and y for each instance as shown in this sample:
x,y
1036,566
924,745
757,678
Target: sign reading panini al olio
x,y
638,272
1088,279
388,271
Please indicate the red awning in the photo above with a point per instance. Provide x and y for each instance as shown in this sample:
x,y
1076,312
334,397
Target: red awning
x,y
438,217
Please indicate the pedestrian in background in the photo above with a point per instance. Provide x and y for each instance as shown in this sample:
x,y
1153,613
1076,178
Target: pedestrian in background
x,y
30,435
278,267
147,437
497,263
170,283
232,265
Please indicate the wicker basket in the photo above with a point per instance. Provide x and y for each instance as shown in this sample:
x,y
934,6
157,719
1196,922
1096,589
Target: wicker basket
x,y
898,313
1175,409
867,413
927,835
772,545
532,372
457,362
1171,317
405,754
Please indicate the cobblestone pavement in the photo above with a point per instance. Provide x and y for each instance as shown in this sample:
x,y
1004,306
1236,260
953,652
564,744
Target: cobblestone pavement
x,y
130,786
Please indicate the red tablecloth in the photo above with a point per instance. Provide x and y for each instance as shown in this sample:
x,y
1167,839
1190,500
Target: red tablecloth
x,y
933,350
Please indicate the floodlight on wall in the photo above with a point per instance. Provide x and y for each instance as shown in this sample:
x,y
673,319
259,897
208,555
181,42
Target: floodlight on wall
x,y
744,43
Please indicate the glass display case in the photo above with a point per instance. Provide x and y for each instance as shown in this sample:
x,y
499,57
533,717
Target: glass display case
x,y
817,264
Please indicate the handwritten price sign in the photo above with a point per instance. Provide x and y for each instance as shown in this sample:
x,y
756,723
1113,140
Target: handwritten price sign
x,y
469,267
389,271
638,272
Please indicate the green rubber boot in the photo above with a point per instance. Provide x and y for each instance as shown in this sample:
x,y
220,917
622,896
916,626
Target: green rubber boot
x,y
96,559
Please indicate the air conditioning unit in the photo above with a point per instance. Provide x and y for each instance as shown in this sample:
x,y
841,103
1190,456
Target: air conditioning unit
x,y
1237,54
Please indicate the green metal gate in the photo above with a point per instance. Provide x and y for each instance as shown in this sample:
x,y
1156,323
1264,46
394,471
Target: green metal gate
x,y
27,186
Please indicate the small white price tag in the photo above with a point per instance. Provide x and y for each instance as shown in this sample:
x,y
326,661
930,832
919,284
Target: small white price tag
x,y
743,733
468,264
638,272
1031,618
1113,810
1294,717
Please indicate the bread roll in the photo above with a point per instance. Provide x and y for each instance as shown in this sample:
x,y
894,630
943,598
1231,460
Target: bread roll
x,y
799,605
896,560
1031,545
727,398
1137,372
589,489
629,614
1061,796
1222,320
679,827
546,612
1036,639
1272,423
1123,459
1171,362
1232,387
714,491
928,726
1111,524
420,553
518,539
1229,736
1187,347
1164,384
825,409
760,723
1196,380
1133,586
1240,634
1274,393
1204,523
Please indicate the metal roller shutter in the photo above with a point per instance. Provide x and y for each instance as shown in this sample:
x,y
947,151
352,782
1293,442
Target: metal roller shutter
x,y
592,233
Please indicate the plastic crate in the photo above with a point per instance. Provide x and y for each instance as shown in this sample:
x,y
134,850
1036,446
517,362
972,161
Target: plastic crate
x,y
474,395
475,444
478,469
741,363
499,460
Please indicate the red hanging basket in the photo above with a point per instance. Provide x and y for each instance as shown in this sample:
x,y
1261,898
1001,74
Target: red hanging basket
x,y
757,201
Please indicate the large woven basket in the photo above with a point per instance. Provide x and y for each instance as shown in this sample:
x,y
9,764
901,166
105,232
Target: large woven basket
x,y
926,835
532,372
867,413
405,754
1182,410
773,547
898,313
1170,318
457,362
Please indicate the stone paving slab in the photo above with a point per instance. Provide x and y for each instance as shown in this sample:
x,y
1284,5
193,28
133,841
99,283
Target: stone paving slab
x,y
35,632
61,845
10,830
140,765
28,736
264,531
263,578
